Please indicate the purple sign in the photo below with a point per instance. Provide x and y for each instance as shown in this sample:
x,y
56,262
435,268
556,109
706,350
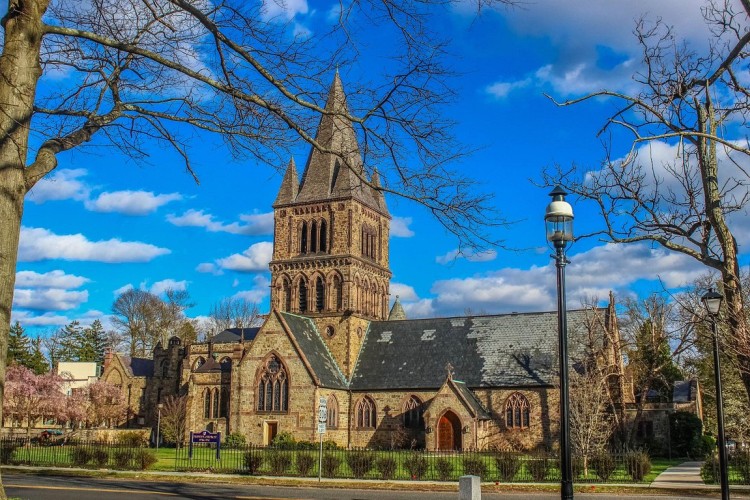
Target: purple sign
x,y
205,437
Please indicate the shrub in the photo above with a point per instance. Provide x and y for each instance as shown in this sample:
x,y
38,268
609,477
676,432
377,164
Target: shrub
x,y
331,464
741,462
508,465
144,459
360,463
122,458
6,452
538,468
475,466
638,464
710,470
604,465
132,439
387,467
284,441
306,445
279,462
685,429
100,457
445,468
416,465
253,460
234,440
708,445
330,445
80,456
305,463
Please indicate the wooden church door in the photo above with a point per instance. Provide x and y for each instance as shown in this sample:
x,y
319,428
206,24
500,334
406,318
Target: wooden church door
x,y
445,433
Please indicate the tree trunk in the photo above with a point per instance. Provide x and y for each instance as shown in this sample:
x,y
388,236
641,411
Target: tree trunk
x,y
19,73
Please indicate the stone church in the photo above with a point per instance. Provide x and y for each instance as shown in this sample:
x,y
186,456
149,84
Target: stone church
x,y
439,383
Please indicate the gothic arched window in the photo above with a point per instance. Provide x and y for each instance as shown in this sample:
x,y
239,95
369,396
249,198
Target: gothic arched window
x,y
215,407
413,418
207,403
273,387
286,291
332,419
198,363
303,239
302,294
314,237
365,415
320,294
517,411
323,236
164,369
338,294
224,407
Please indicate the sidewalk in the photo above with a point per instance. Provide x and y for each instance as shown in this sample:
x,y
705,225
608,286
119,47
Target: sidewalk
x,y
687,475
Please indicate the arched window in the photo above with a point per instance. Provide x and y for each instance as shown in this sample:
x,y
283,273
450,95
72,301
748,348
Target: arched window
x,y
215,407
320,294
226,364
517,411
332,419
302,293
199,362
207,403
273,387
413,418
323,236
286,290
224,408
365,413
303,239
164,369
338,294
314,237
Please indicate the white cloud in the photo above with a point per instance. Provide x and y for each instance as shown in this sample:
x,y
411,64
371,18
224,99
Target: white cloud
x,y
130,202
400,227
209,267
41,244
259,291
255,258
49,299
63,184
500,90
122,289
52,279
255,224
282,10
591,273
471,256
47,319
162,286
405,293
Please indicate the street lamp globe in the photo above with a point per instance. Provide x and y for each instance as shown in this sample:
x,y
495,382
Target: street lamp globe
x,y
712,301
559,219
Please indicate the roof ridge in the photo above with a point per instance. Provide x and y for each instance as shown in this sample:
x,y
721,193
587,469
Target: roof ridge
x,y
359,353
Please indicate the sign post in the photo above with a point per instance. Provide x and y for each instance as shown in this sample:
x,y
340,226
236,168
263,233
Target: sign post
x,y
205,437
322,419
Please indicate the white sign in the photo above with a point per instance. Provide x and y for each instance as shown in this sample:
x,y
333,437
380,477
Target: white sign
x,y
322,411
321,427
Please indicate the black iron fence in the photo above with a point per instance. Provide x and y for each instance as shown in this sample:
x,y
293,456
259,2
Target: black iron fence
x,y
63,453
504,467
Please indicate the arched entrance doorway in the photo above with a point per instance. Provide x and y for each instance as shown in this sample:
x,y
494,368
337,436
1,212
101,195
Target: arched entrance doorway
x,y
449,432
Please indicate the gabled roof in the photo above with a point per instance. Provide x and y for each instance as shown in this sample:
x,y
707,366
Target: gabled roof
x,y
685,391
139,367
314,351
234,335
470,400
485,351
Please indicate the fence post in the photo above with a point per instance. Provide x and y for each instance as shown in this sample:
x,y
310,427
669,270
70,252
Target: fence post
x,y
469,488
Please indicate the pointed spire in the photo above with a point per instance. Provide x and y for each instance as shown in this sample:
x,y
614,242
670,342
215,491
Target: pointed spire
x,y
397,311
377,194
289,185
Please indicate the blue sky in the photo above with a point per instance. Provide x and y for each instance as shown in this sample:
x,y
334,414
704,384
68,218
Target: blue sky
x,y
101,223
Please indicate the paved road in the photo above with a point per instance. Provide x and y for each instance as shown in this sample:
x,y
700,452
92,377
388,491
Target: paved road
x,y
85,488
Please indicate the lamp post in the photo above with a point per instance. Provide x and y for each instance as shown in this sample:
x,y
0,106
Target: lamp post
x,y
712,302
158,424
559,222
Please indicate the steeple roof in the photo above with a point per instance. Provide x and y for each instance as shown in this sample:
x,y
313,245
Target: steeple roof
x,y
328,175
397,311
289,186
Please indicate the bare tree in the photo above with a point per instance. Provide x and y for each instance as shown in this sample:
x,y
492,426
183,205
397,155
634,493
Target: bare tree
x,y
232,312
136,316
151,73
174,419
694,104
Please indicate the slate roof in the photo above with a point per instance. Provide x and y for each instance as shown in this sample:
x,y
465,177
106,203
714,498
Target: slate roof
x,y
140,367
684,391
315,351
485,351
234,334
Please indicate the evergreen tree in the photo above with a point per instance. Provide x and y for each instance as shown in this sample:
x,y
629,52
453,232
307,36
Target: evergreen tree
x,y
92,345
19,346
37,362
69,341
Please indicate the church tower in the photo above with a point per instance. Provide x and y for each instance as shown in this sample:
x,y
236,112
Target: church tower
x,y
331,230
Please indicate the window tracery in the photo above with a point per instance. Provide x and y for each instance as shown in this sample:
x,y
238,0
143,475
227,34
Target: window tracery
x,y
413,413
365,415
273,387
517,411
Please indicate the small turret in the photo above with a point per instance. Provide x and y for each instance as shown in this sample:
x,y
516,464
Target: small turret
x,y
289,186
397,311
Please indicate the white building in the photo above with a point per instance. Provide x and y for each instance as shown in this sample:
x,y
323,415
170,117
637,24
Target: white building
x,y
77,374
